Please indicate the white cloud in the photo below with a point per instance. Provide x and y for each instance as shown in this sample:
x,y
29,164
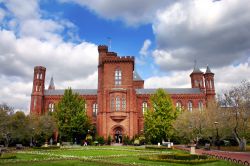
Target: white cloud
x,y
145,48
225,78
30,40
130,11
212,32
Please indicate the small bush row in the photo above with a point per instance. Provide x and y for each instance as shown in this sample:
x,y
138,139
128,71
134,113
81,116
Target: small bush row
x,y
182,156
47,148
8,156
196,161
156,147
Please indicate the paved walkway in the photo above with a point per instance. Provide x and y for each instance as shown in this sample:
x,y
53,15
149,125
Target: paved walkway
x,y
237,157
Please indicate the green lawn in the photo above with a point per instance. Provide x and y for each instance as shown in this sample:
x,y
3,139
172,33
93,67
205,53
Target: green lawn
x,y
92,156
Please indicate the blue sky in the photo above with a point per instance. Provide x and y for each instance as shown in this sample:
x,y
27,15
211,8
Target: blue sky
x,y
125,40
165,36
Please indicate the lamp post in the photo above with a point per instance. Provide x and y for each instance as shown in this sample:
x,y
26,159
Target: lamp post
x,y
217,135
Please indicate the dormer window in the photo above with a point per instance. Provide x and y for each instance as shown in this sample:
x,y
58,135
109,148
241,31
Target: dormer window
x,y
118,77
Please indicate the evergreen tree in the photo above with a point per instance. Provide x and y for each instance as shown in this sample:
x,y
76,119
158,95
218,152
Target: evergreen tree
x,y
73,122
159,118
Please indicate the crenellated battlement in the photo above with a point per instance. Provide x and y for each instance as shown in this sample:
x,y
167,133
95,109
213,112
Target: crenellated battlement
x,y
102,48
39,68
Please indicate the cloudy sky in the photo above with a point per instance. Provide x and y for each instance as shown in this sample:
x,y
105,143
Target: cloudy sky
x,y
165,36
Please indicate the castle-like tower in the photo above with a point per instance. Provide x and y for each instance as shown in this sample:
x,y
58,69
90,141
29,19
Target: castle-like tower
x,y
118,104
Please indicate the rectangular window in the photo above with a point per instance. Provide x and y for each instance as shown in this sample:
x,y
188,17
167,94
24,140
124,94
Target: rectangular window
x,y
112,104
118,77
95,109
118,103
123,104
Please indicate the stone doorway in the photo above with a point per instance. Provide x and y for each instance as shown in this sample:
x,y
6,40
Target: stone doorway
x,y
118,135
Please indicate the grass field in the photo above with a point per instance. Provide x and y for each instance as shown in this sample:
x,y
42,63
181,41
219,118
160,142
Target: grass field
x,y
92,156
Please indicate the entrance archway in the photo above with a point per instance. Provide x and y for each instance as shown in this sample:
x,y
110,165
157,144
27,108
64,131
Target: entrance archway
x,y
118,135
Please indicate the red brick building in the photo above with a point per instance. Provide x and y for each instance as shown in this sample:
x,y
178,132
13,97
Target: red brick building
x,y
116,107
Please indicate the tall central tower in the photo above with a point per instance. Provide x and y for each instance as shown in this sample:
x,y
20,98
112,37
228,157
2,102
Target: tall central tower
x,y
116,97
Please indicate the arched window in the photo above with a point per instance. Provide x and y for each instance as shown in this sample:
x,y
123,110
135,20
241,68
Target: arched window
x,y
41,76
51,107
36,88
178,105
37,75
123,103
118,103
144,107
200,104
118,77
95,109
190,106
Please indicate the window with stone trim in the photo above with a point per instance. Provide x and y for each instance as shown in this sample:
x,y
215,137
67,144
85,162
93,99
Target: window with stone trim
x,y
178,105
51,107
95,109
123,103
144,107
190,106
117,103
118,77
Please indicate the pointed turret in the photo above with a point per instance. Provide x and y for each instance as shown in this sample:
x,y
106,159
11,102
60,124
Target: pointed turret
x,y
208,70
51,84
209,84
197,77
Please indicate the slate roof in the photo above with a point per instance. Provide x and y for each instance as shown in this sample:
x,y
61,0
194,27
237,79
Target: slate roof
x,y
138,91
79,91
136,76
171,91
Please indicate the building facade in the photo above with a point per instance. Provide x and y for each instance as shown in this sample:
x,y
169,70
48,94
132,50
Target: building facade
x,y
117,106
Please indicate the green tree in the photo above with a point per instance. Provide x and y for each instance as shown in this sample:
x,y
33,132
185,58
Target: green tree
x,y
71,116
6,131
42,128
20,128
159,118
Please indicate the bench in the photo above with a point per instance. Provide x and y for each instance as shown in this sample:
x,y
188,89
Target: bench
x,y
19,146
207,147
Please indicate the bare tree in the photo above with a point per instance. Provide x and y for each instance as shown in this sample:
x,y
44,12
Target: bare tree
x,y
236,104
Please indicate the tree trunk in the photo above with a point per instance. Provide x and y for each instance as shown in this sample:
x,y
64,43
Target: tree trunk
x,y
243,144
241,141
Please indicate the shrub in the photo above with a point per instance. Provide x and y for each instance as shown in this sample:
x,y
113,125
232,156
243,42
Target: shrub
x,y
47,148
109,140
153,147
126,140
180,158
136,142
100,140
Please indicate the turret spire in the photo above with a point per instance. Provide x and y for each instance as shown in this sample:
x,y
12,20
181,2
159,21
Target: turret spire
x,y
51,84
208,70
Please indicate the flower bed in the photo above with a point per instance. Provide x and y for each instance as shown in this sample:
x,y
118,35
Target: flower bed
x,y
180,158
